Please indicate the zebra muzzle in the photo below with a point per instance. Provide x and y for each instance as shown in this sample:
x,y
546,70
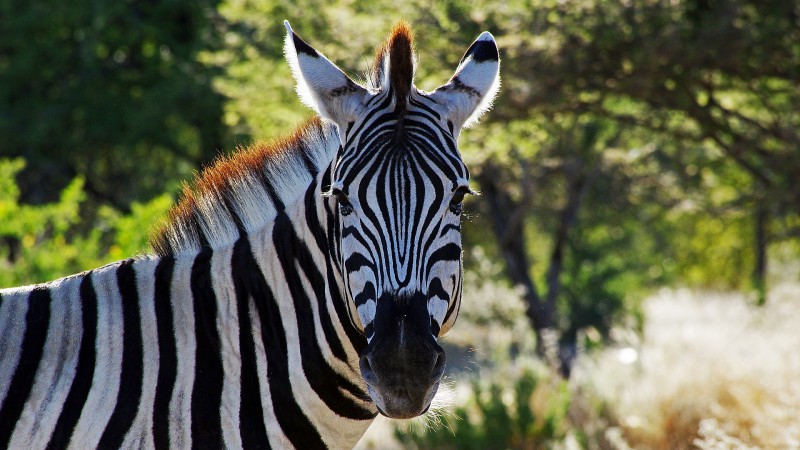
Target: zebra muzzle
x,y
403,364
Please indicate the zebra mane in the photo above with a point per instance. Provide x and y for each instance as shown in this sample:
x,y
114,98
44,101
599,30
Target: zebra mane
x,y
244,191
394,66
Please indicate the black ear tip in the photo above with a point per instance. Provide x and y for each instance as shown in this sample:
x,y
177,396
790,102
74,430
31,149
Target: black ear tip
x,y
483,50
301,47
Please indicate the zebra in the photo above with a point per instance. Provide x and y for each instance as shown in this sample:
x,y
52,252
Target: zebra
x,y
296,290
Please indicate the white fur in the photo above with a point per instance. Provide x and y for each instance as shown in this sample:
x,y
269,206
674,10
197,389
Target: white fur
x,y
287,176
302,88
140,434
484,77
180,406
215,221
12,327
249,203
228,329
56,370
276,437
318,81
102,397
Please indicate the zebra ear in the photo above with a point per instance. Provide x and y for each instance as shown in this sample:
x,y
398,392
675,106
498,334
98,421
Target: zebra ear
x,y
471,90
320,84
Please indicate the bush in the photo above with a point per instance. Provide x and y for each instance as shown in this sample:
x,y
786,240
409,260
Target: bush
x,y
39,243
528,412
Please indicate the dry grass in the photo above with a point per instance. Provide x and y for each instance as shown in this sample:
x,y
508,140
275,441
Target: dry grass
x,y
712,372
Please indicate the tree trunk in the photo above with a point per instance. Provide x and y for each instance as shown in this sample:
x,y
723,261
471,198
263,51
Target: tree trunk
x,y
761,241
506,216
507,220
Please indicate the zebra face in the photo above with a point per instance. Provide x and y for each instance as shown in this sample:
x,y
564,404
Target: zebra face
x,y
396,191
399,185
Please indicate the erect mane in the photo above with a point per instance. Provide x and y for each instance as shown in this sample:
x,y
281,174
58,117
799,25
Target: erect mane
x,y
244,191
397,57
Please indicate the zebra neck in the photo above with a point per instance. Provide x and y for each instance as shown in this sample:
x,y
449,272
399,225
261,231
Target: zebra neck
x,y
244,193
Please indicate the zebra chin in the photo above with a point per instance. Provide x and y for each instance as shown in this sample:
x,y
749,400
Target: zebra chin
x,y
402,364
403,404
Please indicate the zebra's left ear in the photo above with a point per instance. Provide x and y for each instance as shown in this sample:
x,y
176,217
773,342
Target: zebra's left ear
x,y
321,85
471,90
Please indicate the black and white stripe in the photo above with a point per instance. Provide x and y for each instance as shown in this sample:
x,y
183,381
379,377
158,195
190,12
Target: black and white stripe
x,y
262,319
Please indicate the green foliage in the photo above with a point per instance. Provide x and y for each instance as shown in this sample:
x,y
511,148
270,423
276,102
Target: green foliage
x,y
526,412
109,91
39,243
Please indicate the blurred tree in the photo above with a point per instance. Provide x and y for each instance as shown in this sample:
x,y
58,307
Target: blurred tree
x,y
717,77
113,91
715,85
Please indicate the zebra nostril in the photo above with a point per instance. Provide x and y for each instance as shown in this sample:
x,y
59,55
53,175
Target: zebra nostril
x,y
438,366
366,370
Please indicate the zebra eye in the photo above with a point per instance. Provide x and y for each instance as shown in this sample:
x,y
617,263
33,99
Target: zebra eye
x,y
345,207
458,198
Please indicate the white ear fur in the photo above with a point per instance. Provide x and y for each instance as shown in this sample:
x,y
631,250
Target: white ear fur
x,y
474,85
321,85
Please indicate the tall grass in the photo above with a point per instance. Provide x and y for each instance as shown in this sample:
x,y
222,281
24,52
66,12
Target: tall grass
x,y
711,371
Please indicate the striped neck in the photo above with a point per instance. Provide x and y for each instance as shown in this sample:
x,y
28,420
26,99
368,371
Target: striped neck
x,y
240,194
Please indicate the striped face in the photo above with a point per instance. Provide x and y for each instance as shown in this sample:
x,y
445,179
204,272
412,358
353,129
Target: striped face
x,y
397,185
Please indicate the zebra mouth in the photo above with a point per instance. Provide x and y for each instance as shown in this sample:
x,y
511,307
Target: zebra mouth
x,y
402,363
403,404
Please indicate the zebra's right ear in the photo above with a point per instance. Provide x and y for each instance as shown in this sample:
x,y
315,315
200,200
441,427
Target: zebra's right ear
x,y
471,90
321,85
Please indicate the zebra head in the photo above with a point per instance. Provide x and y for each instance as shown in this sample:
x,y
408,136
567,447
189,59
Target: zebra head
x,y
396,190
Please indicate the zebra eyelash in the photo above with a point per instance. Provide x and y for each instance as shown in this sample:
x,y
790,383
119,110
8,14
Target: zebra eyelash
x,y
345,207
456,201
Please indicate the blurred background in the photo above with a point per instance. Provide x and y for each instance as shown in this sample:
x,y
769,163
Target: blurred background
x,y
632,263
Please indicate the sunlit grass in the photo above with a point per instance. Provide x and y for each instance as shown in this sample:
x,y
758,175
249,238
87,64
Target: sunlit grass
x,y
712,371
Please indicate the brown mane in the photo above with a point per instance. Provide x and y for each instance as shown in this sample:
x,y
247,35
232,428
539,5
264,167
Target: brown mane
x,y
222,182
400,50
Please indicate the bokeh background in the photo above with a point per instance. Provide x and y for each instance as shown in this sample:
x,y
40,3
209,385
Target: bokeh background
x,y
633,262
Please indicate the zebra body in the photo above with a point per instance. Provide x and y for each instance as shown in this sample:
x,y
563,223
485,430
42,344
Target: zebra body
x,y
281,295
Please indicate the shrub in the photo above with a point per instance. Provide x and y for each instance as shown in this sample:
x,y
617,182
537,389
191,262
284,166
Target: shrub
x,y
528,412
39,243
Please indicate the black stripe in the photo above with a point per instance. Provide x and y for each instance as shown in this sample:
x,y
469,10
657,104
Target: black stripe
x,y
36,323
366,294
421,105
201,234
314,225
208,373
447,252
326,382
450,227
455,304
130,384
251,412
301,46
305,154
84,372
266,182
367,122
340,304
482,51
167,353
291,418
